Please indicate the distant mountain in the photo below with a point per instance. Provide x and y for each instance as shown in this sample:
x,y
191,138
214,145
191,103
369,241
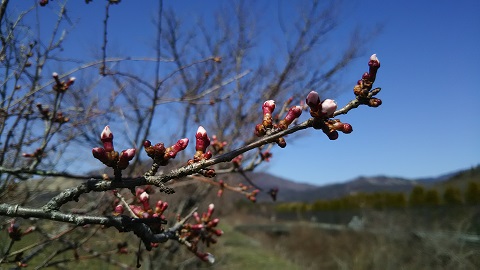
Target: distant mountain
x,y
359,184
308,193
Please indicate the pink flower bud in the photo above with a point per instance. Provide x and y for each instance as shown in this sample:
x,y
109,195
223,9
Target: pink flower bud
x,y
211,207
293,114
143,197
118,210
347,128
209,258
100,154
208,155
125,157
268,107
365,76
313,100
374,102
197,227
202,140
179,146
147,143
214,222
107,139
218,232
329,106
374,60
197,217
160,207
374,65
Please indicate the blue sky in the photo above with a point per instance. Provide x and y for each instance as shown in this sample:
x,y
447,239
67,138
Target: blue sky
x,y
429,121
429,50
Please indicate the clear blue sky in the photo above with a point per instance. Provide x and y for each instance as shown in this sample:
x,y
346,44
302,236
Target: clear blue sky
x,y
430,55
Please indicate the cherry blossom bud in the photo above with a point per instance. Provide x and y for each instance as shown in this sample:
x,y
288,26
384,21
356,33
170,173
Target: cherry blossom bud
x,y
218,232
100,154
260,130
202,140
107,139
143,197
374,61
313,101
347,128
125,157
292,114
329,106
333,135
70,81
374,102
209,258
138,211
208,154
118,210
365,76
214,222
160,207
179,146
374,65
281,142
211,207
147,143
268,107
196,216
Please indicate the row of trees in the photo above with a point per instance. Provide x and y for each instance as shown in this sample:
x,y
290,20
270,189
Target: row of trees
x,y
418,197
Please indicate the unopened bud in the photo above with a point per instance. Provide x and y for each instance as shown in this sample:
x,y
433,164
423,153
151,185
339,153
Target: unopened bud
x,y
313,101
118,210
333,135
107,139
268,107
292,114
329,106
347,128
202,140
125,157
281,142
374,102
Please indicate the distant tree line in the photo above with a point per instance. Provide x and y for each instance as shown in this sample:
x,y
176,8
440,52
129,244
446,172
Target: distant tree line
x,y
418,197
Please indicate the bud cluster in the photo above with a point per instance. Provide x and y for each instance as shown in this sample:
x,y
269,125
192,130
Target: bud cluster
x,y
46,115
266,155
160,154
142,209
267,124
237,161
202,141
107,154
15,233
203,230
61,86
363,89
322,111
217,145
241,188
